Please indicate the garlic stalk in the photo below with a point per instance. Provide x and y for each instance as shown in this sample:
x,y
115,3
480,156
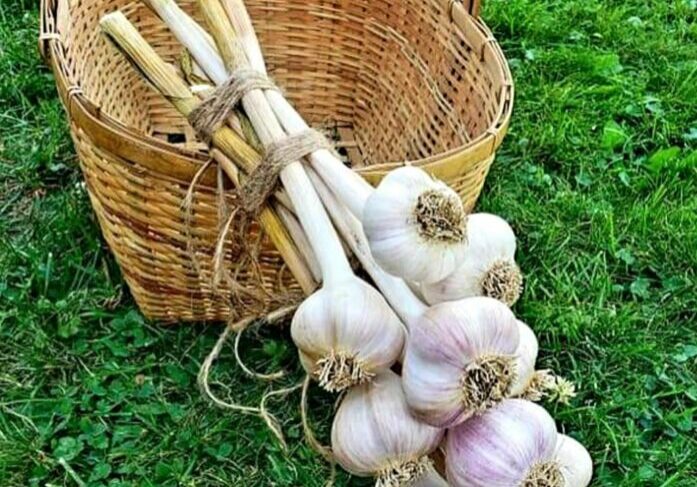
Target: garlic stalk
x,y
352,188
488,268
416,226
161,75
339,346
400,296
375,435
514,445
464,357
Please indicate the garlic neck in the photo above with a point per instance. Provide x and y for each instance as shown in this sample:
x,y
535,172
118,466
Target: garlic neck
x,y
405,474
440,218
545,474
400,296
487,381
503,281
351,188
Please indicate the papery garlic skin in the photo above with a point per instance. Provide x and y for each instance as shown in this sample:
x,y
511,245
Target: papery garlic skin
x,y
416,226
347,333
375,434
575,462
452,345
510,445
526,357
488,269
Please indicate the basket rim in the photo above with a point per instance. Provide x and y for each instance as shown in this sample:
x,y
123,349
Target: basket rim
x,y
182,164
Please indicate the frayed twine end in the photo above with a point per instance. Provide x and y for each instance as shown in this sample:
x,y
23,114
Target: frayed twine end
x,y
340,371
503,281
404,474
487,381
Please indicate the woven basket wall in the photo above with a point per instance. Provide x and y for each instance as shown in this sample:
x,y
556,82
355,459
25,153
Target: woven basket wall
x,y
421,82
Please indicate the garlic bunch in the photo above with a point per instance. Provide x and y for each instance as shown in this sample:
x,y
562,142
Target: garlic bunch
x,y
464,357
488,269
375,435
346,334
416,226
514,445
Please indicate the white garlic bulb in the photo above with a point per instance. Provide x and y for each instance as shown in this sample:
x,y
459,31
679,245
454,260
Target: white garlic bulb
x,y
346,334
416,226
514,444
526,357
575,462
488,269
462,358
375,435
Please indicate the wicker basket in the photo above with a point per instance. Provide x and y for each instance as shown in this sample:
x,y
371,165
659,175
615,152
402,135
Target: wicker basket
x,y
421,81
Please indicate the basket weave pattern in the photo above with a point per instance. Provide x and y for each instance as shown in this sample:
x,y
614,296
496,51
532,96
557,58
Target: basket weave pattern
x,y
401,82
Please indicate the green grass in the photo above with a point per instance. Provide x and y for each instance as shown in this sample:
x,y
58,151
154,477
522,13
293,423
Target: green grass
x,y
598,176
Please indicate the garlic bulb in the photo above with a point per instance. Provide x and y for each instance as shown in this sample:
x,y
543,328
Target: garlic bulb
x,y
575,462
488,269
374,434
346,333
526,357
462,358
514,444
416,226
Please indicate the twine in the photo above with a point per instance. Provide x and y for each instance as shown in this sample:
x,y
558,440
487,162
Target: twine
x,y
212,113
188,209
262,182
261,411
309,433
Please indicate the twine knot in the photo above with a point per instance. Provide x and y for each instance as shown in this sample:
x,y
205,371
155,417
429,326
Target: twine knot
x,y
262,182
212,113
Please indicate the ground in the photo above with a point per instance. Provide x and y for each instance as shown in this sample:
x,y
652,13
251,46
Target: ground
x,y
597,175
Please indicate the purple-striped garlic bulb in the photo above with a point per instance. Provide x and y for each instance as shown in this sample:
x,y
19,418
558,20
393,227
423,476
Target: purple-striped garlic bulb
x,y
375,435
488,269
514,444
464,357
